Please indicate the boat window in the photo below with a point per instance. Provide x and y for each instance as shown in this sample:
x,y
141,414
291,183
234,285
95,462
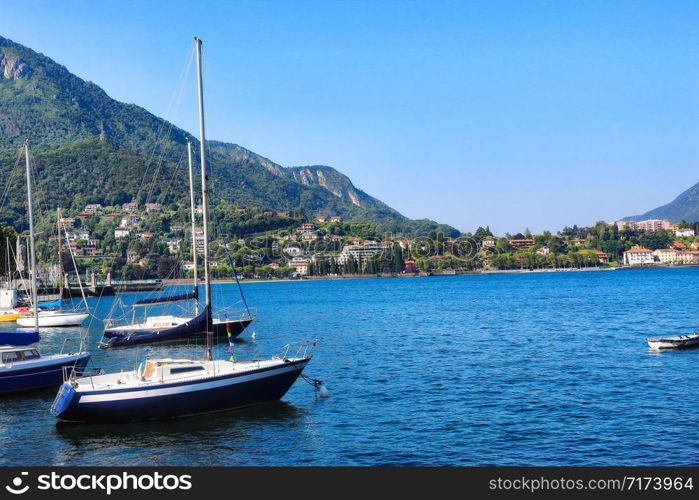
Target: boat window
x,y
30,354
8,357
184,369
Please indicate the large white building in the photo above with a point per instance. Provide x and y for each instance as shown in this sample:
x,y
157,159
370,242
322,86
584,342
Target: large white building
x,y
638,256
684,232
685,257
293,251
131,220
646,226
199,240
674,256
78,235
361,252
93,208
300,266
665,255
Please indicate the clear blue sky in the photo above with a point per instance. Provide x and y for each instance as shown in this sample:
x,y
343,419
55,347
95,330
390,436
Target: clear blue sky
x,y
514,114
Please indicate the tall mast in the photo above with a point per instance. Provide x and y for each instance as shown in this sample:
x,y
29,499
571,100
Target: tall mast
x,y
31,235
7,259
204,197
60,253
193,217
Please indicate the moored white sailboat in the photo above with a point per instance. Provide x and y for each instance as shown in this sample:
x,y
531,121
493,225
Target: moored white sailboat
x,y
52,314
168,388
54,318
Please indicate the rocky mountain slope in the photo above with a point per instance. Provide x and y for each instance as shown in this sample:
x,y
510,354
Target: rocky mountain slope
x,y
90,148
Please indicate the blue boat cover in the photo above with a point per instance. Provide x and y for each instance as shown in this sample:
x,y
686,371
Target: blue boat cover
x,y
169,298
195,327
19,338
51,305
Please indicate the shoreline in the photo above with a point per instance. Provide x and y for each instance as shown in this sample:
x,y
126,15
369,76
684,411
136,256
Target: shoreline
x,y
228,281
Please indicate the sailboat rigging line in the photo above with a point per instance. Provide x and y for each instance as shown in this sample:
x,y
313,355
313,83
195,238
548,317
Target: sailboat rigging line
x,y
160,138
42,200
10,180
161,134
175,102
83,335
214,198
160,141
75,266
130,239
235,274
217,226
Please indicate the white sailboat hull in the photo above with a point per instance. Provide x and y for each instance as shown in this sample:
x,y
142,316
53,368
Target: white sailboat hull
x,y
50,318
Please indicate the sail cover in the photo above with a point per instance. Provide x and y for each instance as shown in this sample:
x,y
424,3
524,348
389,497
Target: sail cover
x,y
19,338
170,298
51,305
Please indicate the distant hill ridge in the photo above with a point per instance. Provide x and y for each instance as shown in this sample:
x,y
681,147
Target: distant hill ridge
x,y
685,206
91,148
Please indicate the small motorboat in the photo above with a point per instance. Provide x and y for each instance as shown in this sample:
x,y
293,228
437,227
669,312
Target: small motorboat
x,y
24,368
676,342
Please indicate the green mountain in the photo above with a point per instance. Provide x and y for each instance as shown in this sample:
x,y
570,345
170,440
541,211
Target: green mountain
x,y
685,206
90,148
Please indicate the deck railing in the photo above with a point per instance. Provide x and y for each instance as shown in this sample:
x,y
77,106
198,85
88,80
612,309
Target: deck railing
x,y
300,349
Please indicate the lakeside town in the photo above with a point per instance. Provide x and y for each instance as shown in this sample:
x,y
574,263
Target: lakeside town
x,y
136,241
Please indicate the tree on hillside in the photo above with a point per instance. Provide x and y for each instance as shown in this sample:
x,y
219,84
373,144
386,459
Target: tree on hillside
x,y
482,233
656,240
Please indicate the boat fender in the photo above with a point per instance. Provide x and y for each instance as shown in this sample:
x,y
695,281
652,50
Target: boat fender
x,y
63,399
323,392
318,386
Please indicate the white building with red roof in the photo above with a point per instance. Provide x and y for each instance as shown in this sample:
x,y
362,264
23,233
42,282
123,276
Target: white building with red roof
x,y
602,256
666,255
638,256
300,266
684,232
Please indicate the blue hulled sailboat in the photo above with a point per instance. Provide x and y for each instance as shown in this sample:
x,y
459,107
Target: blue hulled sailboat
x,y
167,387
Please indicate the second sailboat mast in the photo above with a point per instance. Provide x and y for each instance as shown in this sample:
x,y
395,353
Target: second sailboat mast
x,y
30,206
194,220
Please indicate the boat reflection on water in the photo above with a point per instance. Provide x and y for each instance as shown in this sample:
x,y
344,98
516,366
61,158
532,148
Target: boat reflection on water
x,y
179,437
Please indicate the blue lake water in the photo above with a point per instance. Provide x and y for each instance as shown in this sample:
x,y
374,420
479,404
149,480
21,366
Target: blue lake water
x,y
516,369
